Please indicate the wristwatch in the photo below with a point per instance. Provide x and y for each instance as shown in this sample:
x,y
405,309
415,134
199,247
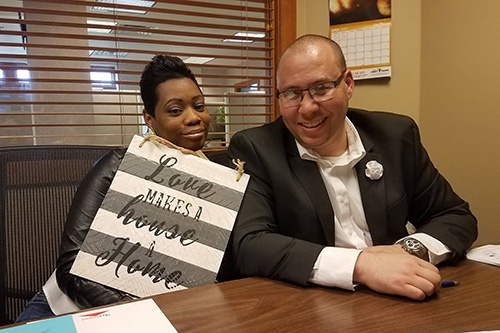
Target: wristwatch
x,y
413,246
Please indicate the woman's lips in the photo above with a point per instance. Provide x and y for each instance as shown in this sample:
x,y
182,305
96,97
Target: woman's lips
x,y
195,134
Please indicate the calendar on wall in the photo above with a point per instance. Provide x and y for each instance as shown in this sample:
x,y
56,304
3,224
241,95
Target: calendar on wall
x,y
363,31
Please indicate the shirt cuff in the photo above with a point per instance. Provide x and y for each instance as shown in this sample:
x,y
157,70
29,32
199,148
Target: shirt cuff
x,y
438,252
335,267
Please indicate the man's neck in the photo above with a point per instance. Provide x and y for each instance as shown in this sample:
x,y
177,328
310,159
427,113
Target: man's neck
x,y
338,147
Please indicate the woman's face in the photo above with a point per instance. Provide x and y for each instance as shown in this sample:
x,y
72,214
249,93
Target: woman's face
x,y
180,114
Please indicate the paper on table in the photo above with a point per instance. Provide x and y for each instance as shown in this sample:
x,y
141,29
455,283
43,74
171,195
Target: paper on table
x,y
488,254
140,316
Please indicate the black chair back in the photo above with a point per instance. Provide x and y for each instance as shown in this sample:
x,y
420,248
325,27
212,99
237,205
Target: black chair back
x,y
37,184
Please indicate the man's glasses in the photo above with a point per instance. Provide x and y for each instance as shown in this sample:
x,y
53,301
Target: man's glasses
x,y
320,92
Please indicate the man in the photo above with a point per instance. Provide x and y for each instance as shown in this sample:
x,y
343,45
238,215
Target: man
x,y
335,191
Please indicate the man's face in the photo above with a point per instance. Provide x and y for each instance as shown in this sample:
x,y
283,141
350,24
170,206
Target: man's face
x,y
316,125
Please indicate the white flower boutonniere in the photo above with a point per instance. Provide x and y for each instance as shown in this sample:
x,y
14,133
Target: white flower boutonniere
x,y
374,170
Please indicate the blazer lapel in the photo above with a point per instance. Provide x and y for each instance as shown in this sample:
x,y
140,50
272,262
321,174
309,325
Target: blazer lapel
x,y
373,198
309,176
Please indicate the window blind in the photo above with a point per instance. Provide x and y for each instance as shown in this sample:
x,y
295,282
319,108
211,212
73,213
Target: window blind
x,y
70,69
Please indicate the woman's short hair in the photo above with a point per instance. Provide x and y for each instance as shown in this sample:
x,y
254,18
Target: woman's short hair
x,y
160,69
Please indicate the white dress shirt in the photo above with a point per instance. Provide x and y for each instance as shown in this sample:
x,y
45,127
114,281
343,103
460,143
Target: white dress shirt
x,y
58,301
335,265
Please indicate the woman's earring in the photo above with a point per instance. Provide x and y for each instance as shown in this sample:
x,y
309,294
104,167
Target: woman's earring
x,y
152,131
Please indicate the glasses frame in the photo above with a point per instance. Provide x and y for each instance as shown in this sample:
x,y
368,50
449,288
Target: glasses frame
x,y
335,85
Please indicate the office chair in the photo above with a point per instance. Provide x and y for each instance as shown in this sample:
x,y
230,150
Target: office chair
x,y
37,184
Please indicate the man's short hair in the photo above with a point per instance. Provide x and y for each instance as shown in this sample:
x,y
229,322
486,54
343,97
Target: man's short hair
x,y
303,41
160,69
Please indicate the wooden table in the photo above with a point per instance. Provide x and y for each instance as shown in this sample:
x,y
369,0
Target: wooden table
x,y
262,305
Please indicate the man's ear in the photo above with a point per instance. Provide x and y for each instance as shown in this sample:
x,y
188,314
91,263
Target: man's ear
x,y
349,81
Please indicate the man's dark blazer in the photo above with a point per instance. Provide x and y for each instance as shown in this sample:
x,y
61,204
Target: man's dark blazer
x,y
286,217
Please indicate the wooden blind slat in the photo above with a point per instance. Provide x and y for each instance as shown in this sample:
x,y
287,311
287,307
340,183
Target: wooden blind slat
x,y
125,18
119,28
134,72
104,103
218,5
132,40
116,49
66,81
73,58
104,125
111,92
81,81
135,114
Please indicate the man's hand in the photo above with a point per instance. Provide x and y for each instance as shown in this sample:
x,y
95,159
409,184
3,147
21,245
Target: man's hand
x,y
391,270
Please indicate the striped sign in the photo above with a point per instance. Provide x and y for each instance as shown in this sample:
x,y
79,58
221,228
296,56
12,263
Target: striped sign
x,y
164,223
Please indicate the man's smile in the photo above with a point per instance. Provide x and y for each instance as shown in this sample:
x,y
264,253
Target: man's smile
x,y
312,124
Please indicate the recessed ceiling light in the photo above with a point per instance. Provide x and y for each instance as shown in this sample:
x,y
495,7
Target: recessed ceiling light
x,y
234,40
198,60
124,2
101,53
250,34
23,74
127,32
101,76
100,30
244,34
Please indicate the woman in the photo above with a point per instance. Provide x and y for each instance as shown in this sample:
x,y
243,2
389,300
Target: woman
x,y
174,109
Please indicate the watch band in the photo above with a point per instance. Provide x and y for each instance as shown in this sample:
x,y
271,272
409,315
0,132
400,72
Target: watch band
x,y
415,247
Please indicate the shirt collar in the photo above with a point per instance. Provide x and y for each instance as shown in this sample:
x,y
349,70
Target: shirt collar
x,y
354,153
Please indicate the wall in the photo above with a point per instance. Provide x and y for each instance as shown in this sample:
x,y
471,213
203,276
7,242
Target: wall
x,y
460,100
445,63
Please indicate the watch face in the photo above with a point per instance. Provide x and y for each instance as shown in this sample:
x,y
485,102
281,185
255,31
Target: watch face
x,y
412,244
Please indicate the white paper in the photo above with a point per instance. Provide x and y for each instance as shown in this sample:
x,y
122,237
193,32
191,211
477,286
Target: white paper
x,y
488,254
140,316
